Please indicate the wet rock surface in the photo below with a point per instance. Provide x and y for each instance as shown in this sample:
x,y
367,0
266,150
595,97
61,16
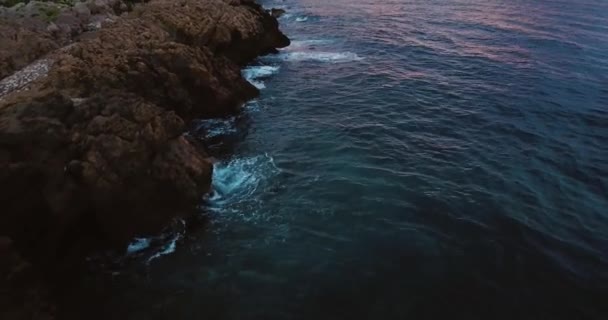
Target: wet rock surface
x,y
92,143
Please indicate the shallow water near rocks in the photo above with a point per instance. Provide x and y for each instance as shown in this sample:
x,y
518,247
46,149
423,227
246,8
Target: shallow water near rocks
x,y
406,160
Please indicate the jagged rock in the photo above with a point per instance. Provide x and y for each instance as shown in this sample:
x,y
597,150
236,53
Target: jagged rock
x,y
20,46
94,151
92,144
82,10
33,29
277,12
52,28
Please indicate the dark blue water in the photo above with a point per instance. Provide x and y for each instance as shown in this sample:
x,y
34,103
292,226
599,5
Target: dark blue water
x,y
440,159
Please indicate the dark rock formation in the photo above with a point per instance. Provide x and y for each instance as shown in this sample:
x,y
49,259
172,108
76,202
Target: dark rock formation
x,y
94,152
31,29
19,46
22,295
277,12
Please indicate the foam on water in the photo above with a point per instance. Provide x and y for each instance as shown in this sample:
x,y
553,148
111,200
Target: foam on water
x,y
154,247
239,178
298,45
238,182
138,245
307,50
252,106
302,19
168,248
332,57
255,74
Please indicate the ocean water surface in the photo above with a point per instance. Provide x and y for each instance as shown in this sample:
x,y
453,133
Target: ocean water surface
x,y
407,159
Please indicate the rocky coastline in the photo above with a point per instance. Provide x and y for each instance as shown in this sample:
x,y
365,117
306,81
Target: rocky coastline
x,y
93,116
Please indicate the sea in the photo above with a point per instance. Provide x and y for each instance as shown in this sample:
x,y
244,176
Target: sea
x,y
406,159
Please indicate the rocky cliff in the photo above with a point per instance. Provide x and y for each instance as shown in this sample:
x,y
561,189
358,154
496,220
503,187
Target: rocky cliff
x,y
93,148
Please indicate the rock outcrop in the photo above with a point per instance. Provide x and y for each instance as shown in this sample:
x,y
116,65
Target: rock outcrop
x,y
31,29
19,46
276,12
94,151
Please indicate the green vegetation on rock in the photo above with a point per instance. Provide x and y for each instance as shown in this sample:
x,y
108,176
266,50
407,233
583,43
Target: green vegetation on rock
x,y
11,3
50,13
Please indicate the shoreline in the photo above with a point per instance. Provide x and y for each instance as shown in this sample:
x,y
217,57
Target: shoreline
x,y
93,149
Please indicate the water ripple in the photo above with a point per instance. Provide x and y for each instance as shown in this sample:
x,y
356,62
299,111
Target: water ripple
x,y
414,159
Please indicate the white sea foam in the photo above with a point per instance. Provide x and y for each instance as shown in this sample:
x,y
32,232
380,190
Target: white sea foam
x,y
255,74
138,245
238,179
252,106
302,19
154,247
239,176
309,44
168,248
333,57
258,84
314,50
